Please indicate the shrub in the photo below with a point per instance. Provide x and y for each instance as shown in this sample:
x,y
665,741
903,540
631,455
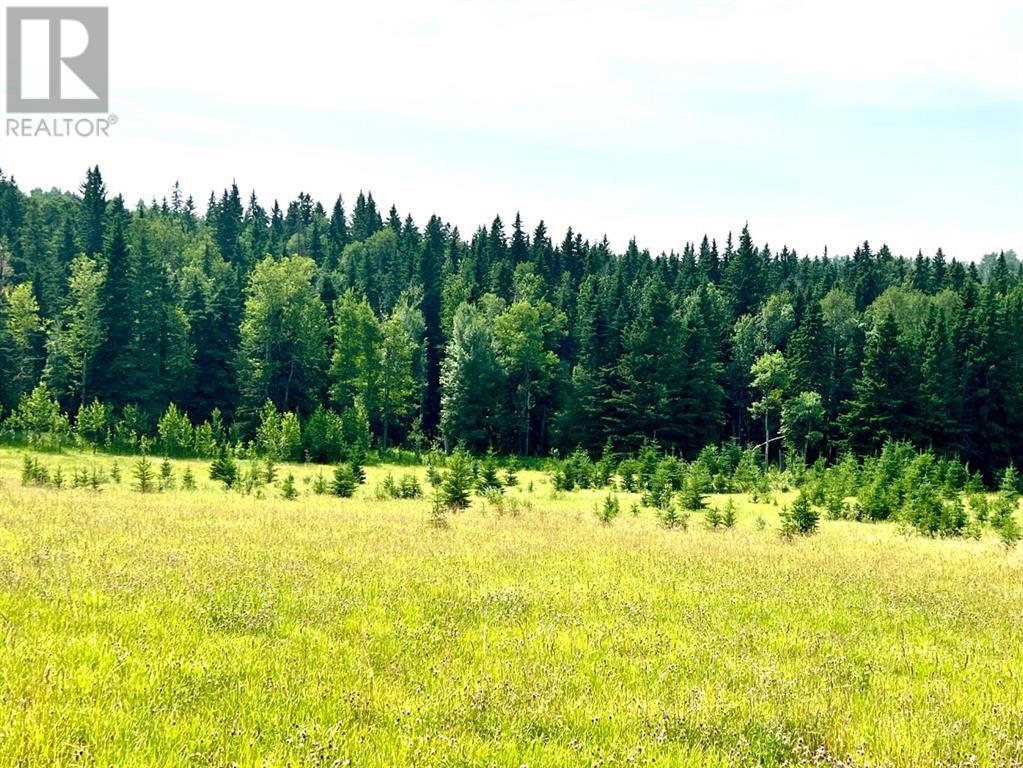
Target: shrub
x,y
608,510
673,519
488,479
799,519
252,478
979,506
224,468
713,517
320,486
628,473
145,480
456,485
39,418
93,421
175,431
288,489
695,487
345,481
663,483
269,470
407,487
1008,530
604,469
166,476
511,477
188,480
561,480
728,515
33,472
926,510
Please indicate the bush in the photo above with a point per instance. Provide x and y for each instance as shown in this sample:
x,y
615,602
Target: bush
x,y
695,487
713,517
728,515
145,480
799,519
224,469
407,487
628,474
166,476
456,484
188,480
93,421
33,472
345,481
320,485
488,478
926,510
673,519
175,431
721,518
288,490
608,510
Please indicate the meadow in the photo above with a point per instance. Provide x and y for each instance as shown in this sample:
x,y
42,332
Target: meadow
x,y
210,628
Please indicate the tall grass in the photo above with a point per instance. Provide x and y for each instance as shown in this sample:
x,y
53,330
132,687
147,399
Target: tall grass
x,y
211,628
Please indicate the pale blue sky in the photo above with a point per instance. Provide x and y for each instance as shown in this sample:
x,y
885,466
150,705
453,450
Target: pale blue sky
x,y
819,123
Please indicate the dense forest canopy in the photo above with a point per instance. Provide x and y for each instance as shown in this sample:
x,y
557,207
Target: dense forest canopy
x,y
507,339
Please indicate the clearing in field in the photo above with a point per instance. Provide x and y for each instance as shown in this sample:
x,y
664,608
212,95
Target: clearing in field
x,y
204,627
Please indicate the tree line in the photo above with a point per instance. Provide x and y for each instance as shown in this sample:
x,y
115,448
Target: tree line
x,y
367,324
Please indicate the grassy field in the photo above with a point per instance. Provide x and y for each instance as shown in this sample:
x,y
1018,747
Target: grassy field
x,y
207,628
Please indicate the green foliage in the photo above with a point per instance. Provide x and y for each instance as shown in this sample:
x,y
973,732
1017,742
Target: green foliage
x,y
721,517
672,518
799,519
40,420
456,484
288,489
407,487
188,480
345,481
283,336
167,482
729,514
322,436
145,477
33,472
224,468
695,487
93,422
279,435
175,432
488,479
608,509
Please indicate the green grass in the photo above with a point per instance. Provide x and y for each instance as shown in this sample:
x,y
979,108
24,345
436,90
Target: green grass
x,y
207,628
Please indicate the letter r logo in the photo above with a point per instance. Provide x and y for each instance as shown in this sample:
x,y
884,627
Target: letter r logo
x,y
58,60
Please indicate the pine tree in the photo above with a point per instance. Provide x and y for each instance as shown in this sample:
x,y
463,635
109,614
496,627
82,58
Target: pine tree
x,y
92,212
880,409
224,468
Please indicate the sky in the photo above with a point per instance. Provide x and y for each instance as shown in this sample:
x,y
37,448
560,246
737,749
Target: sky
x,y
821,124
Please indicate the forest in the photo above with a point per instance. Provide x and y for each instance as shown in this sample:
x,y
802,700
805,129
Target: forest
x,y
344,327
